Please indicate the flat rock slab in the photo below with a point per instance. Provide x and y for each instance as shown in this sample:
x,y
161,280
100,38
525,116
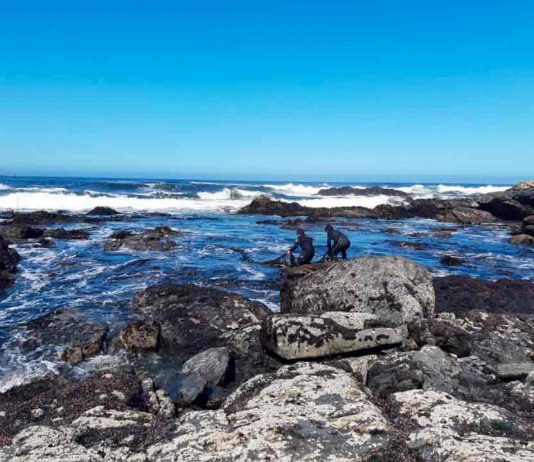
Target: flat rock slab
x,y
395,289
294,337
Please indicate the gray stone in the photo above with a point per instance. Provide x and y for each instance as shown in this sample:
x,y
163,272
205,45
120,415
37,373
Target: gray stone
x,y
447,429
307,412
207,369
514,370
313,336
396,290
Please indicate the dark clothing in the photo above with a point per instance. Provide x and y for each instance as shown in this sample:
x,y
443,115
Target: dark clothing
x,y
337,243
307,250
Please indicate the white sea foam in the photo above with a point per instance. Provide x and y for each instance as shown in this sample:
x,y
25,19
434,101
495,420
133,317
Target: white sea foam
x,y
466,190
226,193
416,190
291,189
350,201
79,203
4,186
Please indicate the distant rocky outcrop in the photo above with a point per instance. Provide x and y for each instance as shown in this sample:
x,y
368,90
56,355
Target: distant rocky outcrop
x,y
371,191
103,211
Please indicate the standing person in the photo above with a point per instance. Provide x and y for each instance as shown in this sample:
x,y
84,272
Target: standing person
x,y
337,243
307,250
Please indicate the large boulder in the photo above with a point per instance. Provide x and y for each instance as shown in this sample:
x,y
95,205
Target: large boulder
x,y
21,232
308,412
194,318
9,259
460,294
394,289
292,336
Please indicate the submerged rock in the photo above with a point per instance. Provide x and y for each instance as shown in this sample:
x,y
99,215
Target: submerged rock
x,y
150,240
396,290
522,239
451,260
293,337
62,233
80,339
9,259
21,232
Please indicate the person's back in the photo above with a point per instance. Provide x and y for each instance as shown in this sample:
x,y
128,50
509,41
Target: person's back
x,y
307,249
336,242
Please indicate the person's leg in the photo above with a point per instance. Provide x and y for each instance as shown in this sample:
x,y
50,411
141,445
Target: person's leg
x,y
344,254
293,260
305,258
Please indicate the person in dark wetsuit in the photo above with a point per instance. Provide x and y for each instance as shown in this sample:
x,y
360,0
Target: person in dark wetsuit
x,y
337,243
307,250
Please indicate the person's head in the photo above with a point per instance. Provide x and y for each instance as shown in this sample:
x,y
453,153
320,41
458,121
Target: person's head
x,y
328,228
300,232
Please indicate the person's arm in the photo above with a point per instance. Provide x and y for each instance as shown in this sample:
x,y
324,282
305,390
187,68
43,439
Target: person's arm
x,y
295,246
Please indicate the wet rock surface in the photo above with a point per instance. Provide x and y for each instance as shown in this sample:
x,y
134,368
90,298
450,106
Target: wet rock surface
x,y
9,259
459,294
193,319
158,239
77,338
103,211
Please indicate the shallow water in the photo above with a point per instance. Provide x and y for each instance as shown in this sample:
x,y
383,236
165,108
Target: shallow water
x,y
217,249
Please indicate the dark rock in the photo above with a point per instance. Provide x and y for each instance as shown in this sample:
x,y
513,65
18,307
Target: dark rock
x,y
81,339
61,402
528,225
506,209
392,231
443,333
21,232
42,218
395,289
9,259
44,243
194,318
521,239
204,370
460,294
467,216
103,211
451,260
264,205
429,368
140,336
350,191
150,240
409,245
62,233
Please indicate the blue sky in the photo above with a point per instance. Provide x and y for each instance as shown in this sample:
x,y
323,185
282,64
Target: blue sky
x,y
322,90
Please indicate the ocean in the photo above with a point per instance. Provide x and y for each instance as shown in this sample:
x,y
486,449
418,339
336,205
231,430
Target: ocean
x,y
218,249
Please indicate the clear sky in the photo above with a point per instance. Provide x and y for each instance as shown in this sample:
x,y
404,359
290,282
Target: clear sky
x,y
407,90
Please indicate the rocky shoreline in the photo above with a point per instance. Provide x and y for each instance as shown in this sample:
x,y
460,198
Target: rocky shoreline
x,y
513,207
369,359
